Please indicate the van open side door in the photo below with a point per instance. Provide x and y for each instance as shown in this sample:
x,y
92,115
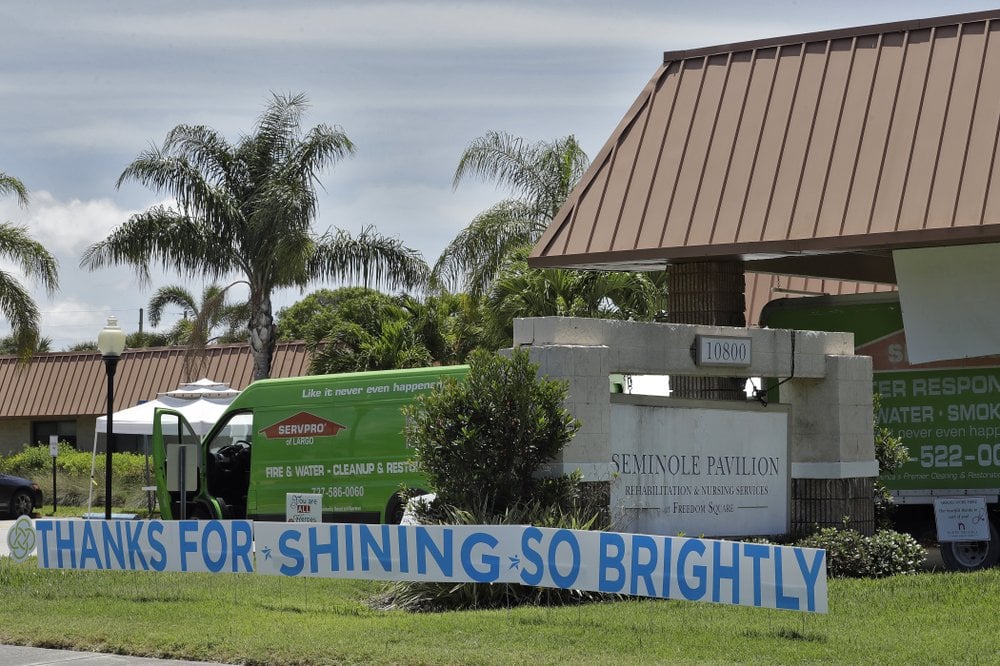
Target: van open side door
x,y
179,466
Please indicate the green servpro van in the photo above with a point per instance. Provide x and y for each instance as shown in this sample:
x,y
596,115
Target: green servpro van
x,y
947,414
337,439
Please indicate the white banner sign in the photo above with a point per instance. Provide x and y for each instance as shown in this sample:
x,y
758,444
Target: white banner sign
x,y
727,572
211,546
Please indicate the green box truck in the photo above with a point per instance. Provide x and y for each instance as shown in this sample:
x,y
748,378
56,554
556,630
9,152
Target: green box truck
x,y
947,413
338,437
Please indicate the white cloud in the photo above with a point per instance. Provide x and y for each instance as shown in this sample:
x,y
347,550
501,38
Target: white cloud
x,y
79,309
406,26
65,228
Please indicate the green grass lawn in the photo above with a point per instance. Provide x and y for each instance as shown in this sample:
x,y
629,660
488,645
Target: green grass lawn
x,y
931,618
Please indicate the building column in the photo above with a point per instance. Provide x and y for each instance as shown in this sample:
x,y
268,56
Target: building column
x,y
709,293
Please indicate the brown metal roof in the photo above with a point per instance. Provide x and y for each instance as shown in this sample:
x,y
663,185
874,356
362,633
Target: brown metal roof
x,y
74,384
806,155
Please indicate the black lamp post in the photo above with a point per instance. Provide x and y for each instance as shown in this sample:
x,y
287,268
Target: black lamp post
x,y
111,344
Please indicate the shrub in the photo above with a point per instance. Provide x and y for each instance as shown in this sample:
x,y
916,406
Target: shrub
x,y
29,461
480,443
850,554
891,454
481,440
73,474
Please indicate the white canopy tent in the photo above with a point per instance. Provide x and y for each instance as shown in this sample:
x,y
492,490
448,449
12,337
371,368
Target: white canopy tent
x,y
201,414
201,403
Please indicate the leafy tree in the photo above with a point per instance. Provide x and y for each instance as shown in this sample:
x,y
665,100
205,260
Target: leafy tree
x,y
144,339
315,312
9,346
353,328
539,176
16,304
365,330
246,209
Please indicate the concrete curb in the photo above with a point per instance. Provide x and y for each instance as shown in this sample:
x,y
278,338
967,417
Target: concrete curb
x,y
17,655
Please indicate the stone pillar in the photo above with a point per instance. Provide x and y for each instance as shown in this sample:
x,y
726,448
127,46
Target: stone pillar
x,y
710,293
833,462
832,503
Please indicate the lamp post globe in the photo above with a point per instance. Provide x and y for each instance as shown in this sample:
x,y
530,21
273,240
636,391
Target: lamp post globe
x,y
111,344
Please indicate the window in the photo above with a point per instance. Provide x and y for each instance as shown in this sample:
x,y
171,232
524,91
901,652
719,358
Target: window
x,y
64,430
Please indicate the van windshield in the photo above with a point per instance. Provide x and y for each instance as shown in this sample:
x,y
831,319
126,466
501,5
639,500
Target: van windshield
x,y
236,429
229,464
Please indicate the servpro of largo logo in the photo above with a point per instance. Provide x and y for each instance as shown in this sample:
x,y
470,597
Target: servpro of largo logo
x,y
302,425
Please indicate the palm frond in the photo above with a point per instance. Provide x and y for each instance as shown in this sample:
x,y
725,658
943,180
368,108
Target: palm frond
x,y
371,258
206,150
540,176
503,158
162,236
20,310
169,295
474,257
30,256
11,185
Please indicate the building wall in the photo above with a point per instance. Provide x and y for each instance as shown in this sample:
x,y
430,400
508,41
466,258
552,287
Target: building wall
x,y
14,434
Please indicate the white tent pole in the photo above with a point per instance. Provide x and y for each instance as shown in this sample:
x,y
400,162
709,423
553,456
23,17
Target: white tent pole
x,y
93,463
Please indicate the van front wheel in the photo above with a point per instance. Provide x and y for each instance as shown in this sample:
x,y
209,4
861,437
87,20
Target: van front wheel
x,y
395,508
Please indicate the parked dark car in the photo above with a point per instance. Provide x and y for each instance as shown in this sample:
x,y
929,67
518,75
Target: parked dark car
x,y
19,497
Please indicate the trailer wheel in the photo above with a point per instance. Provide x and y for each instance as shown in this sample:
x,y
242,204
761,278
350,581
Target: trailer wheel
x,y
972,555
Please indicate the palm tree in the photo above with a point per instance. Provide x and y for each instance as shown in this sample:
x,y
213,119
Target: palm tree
x,y
212,312
520,291
11,185
540,177
246,209
35,262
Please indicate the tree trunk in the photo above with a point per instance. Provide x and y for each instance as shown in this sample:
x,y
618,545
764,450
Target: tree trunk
x,y
711,293
262,337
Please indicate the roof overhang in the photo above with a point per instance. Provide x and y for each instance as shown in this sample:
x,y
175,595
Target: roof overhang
x,y
810,155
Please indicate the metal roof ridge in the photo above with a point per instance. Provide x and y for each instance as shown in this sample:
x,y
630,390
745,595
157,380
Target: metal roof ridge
x,y
834,33
134,351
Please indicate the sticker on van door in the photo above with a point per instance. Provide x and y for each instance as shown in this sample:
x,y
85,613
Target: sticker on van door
x,y
302,428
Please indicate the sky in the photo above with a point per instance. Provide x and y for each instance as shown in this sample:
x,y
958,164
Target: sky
x,y
85,86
